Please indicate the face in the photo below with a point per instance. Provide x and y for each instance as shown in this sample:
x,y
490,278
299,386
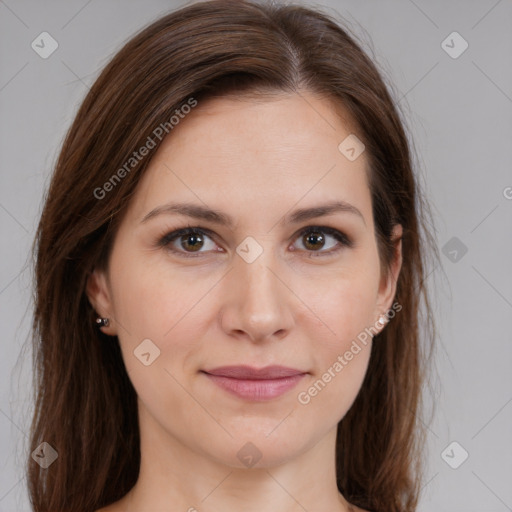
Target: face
x,y
278,285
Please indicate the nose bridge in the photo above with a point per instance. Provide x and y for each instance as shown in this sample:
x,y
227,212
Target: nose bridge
x,y
260,278
257,270
257,303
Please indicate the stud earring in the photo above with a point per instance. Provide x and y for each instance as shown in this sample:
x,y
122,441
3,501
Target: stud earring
x,y
102,322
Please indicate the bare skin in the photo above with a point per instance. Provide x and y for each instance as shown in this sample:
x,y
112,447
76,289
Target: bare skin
x,y
293,306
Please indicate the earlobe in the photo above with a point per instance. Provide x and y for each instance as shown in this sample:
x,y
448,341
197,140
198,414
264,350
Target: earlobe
x,y
98,293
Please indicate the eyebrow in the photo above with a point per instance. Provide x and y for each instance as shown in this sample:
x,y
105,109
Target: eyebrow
x,y
203,213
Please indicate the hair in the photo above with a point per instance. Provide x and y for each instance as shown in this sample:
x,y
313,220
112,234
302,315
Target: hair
x,y
85,404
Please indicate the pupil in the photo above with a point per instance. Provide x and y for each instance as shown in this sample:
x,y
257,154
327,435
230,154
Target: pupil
x,y
315,237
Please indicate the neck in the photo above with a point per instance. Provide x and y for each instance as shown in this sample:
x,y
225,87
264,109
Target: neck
x,y
175,477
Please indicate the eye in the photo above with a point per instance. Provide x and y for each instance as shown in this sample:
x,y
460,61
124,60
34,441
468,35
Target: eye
x,y
313,238
192,239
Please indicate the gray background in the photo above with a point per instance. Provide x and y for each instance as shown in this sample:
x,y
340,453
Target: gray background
x,y
459,112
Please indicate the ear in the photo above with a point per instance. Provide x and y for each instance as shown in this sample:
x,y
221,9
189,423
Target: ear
x,y
387,285
99,294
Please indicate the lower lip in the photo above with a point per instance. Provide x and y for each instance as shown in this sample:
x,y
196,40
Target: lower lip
x,y
256,390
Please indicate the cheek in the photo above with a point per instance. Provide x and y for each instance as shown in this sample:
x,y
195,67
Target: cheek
x,y
152,302
331,393
162,309
168,309
341,359
343,351
346,306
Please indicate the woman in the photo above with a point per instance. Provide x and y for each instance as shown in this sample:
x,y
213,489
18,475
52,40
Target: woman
x,y
230,266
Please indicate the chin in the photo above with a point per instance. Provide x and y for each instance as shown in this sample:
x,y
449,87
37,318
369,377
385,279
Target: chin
x,y
263,444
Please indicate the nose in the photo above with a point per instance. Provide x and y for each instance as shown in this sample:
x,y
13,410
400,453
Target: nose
x,y
257,304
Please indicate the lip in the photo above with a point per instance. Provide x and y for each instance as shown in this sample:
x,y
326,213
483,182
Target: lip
x,y
255,384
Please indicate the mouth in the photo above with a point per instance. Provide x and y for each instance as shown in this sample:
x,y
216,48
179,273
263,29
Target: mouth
x,y
255,384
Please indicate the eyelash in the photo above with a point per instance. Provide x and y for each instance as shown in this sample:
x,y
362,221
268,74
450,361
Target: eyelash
x,y
345,242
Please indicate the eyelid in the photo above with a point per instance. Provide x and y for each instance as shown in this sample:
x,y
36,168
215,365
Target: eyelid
x,y
344,240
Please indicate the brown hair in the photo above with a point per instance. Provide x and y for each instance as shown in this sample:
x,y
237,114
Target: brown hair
x,y
85,403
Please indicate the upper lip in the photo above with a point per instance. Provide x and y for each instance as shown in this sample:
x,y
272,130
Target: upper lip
x,y
251,373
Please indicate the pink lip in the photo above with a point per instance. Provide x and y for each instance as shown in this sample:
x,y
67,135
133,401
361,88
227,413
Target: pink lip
x,y
253,383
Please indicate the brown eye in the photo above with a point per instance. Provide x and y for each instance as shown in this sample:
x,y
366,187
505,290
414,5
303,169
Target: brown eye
x,y
188,241
194,241
314,239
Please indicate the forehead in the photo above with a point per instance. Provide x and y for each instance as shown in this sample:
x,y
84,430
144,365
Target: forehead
x,y
299,119
256,151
